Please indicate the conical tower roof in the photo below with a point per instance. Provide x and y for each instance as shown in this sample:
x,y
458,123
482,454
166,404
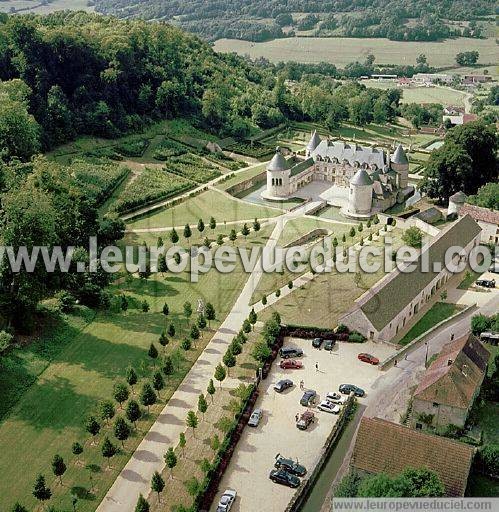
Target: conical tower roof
x,y
399,157
458,197
278,162
361,178
314,141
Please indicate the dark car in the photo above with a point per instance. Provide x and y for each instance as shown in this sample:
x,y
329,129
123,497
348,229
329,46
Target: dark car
x,y
368,358
289,465
317,342
287,352
346,389
308,397
305,420
279,476
282,385
328,345
486,283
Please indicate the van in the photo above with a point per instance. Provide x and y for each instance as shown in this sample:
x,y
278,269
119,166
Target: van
x,y
287,352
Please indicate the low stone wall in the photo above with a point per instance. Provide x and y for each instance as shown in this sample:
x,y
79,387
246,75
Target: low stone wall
x,y
301,494
312,235
318,208
416,343
247,184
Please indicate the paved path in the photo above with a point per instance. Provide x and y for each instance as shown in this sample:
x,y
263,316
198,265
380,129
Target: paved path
x,y
136,476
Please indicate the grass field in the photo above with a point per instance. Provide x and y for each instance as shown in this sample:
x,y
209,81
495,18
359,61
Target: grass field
x,y
438,312
203,206
35,6
340,51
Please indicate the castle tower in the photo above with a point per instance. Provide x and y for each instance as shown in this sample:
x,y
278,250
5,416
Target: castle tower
x,y
456,201
361,194
314,141
400,164
278,172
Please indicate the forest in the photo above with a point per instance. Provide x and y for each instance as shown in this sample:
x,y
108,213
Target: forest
x,y
261,20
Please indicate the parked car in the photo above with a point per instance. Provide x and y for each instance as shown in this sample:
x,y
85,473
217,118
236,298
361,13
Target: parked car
x,y
494,268
317,342
308,397
282,385
287,352
255,418
289,465
341,400
346,389
486,283
328,406
226,501
305,420
279,476
328,345
332,395
290,364
368,358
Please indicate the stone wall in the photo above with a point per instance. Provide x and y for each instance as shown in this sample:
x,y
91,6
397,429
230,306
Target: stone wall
x,y
247,184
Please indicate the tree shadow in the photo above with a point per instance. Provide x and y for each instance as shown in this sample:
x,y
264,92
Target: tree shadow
x,y
82,493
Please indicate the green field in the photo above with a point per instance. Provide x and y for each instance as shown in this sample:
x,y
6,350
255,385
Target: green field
x,y
203,206
35,6
341,50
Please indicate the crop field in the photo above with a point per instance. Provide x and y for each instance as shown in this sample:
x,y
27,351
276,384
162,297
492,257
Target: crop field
x,y
35,6
340,51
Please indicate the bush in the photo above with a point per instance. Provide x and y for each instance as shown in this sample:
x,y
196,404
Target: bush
x,y
356,337
487,460
342,328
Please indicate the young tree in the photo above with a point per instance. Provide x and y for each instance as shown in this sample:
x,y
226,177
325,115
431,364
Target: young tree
x,y
166,311
201,321
186,344
344,238
352,232
58,467
157,484
148,396
207,242
233,236
159,243
177,258
131,377
194,334
77,450
220,373
108,450
246,326
171,331
124,303
235,346
40,491
200,225
215,443
153,352
142,504
187,310
106,410
252,318
162,264
92,426
413,237
121,430
209,312
192,421
187,232
182,441
120,393
168,366
193,486
19,508
133,412
245,231
174,236
261,351
220,239
145,306
163,339
202,404
170,460
157,382
211,389
256,225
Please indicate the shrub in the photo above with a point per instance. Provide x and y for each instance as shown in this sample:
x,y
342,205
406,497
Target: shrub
x,y
487,460
356,337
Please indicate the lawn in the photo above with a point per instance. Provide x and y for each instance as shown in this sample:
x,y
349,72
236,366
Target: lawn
x,y
342,50
438,312
242,176
204,205
469,278
67,382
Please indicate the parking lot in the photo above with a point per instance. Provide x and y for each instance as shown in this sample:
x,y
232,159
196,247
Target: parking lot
x,y
248,472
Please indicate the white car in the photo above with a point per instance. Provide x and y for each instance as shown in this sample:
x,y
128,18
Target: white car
x,y
332,395
329,407
340,401
226,501
255,418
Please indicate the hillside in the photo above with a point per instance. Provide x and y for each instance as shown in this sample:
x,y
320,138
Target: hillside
x,y
260,20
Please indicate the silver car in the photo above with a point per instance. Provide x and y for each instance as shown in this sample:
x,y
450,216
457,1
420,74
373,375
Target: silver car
x,y
255,418
226,501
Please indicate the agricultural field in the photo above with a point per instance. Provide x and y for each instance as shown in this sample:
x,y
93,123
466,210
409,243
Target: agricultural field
x,y
39,7
341,50
203,206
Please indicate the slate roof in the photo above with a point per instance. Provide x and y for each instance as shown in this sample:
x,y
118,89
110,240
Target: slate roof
x,y
455,376
361,178
399,157
350,152
385,447
301,166
480,214
314,141
278,162
385,300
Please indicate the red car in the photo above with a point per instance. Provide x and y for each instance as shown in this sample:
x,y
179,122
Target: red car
x,y
290,364
368,358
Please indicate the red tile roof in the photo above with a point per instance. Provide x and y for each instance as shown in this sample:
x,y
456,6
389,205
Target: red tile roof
x,y
385,447
480,214
455,376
